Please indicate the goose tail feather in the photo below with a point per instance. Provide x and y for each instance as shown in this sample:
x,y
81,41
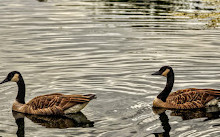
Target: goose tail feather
x,y
91,96
214,93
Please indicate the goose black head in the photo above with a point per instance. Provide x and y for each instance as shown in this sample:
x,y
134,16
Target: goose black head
x,y
13,76
164,71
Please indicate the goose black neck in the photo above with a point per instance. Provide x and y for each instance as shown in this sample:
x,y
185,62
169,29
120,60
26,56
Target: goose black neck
x,y
21,91
169,85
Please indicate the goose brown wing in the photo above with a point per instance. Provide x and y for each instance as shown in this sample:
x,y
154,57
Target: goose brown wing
x,y
71,100
214,92
179,92
44,105
189,98
44,101
55,104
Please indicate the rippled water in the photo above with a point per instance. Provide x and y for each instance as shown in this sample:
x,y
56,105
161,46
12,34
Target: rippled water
x,y
110,48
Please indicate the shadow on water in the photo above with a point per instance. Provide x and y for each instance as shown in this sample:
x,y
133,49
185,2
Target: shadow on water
x,y
207,113
61,122
42,0
158,9
156,6
141,7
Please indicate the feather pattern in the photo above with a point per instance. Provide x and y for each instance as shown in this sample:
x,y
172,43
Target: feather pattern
x,y
190,98
51,104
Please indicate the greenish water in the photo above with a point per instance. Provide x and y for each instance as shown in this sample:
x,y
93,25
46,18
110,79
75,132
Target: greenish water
x,y
109,48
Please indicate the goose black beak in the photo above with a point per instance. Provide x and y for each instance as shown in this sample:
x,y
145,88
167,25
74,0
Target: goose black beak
x,y
6,80
156,73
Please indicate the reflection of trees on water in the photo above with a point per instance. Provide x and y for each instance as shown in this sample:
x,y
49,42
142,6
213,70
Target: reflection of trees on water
x,y
141,13
67,121
42,0
157,6
172,4
157,11
151,7
212,17
209,114
160,8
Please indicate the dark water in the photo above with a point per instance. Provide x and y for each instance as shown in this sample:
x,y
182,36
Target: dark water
x,y
110,48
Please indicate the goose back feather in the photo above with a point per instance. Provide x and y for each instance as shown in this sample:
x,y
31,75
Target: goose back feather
x,y
190,98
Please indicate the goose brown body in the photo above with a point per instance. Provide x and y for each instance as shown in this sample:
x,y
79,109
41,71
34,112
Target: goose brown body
x,y
190,98
50,104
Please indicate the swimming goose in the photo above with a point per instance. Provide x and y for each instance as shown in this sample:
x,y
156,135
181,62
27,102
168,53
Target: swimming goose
x,y
50,104
190,98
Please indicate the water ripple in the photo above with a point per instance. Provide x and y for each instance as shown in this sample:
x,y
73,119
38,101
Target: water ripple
x,y
110,48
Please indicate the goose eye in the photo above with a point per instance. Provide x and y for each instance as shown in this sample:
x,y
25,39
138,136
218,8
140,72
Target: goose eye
x,y
11,76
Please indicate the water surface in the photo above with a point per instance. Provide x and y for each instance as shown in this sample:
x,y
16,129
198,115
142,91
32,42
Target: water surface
x,y
110,48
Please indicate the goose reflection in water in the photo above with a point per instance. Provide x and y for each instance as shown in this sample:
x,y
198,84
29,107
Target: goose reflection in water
x,y
208,113
67,121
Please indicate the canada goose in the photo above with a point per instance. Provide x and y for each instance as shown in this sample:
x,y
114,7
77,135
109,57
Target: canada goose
x,y
50,104
190,98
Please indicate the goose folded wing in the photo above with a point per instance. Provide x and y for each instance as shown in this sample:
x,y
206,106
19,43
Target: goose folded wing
x,y
181,91
57,99
55,104
71,100
189,100
44,101
214,92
